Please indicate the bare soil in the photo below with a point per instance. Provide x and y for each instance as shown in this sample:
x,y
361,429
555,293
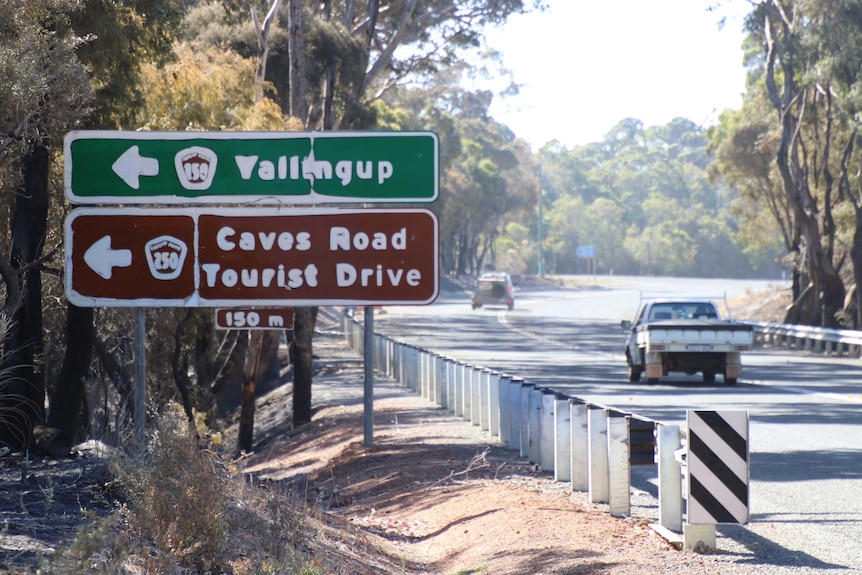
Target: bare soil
x,y
435,495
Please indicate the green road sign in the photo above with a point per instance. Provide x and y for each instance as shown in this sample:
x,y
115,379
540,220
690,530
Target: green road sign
x,y
115,167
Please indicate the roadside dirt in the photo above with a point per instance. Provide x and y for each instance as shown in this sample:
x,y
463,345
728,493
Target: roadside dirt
x,y
436,495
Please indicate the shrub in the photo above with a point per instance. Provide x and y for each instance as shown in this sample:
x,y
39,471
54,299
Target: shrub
x,y
176,496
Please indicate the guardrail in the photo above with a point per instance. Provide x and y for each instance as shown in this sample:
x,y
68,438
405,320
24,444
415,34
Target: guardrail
x,y
588,445
837,342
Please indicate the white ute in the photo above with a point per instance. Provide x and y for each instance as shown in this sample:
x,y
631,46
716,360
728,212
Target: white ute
x,y
685,335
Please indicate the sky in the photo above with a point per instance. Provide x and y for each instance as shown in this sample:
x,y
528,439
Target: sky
x,y
585,65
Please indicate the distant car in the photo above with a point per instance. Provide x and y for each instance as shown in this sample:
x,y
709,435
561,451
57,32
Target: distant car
x,y
494,289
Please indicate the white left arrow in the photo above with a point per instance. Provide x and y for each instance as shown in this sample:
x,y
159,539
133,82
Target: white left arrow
x,y
102,259
131,166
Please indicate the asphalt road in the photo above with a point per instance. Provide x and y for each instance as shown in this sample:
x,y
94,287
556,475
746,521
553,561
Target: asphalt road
x,y
805,416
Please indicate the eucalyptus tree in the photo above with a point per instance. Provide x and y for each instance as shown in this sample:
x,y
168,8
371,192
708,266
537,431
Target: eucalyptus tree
x,y
743,144
44,92
65,65
806,72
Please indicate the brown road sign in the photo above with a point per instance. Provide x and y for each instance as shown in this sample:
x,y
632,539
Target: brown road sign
x,y
198,257
254,318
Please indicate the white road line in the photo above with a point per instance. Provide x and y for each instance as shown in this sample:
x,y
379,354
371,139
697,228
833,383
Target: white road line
x,y
501,317
854,398
504,321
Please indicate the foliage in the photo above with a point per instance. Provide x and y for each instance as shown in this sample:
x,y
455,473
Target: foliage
x,y
645,200
175,494
15,408
793,149
50,91
45,90
205,89
356,51
120,37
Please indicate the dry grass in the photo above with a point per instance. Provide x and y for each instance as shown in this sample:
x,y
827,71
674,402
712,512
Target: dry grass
x,y
186,510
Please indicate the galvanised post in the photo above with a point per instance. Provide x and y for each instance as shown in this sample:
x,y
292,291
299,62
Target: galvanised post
x,y
524,427
440,381
404,368
375,353
494,404
669,478
534,426
413,369
459,388
476,395
419,370
619,466
485,399
597,428
515,413
398,362
546,430
467,409
580,446
451,379
562,439
505,408
423,373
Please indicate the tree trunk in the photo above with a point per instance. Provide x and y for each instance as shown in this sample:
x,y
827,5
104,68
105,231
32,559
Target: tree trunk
x,y
262,31
245,440
23,395
180,367
227,388
372,11
68,403
856,257
270,369
301,355
296,49
303,319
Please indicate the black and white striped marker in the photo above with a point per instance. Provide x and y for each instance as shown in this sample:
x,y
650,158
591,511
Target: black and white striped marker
x,y
718,470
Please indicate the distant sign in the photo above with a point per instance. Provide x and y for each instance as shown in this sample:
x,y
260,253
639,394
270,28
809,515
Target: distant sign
x,y
586,251
188,257
254,318
116,167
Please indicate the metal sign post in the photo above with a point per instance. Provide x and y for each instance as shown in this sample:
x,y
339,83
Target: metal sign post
x,y
140,378
368,388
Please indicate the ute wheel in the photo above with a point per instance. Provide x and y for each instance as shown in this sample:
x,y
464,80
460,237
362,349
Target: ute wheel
x,y
652,380
634,374
476,305
709,377
730,381
511,306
